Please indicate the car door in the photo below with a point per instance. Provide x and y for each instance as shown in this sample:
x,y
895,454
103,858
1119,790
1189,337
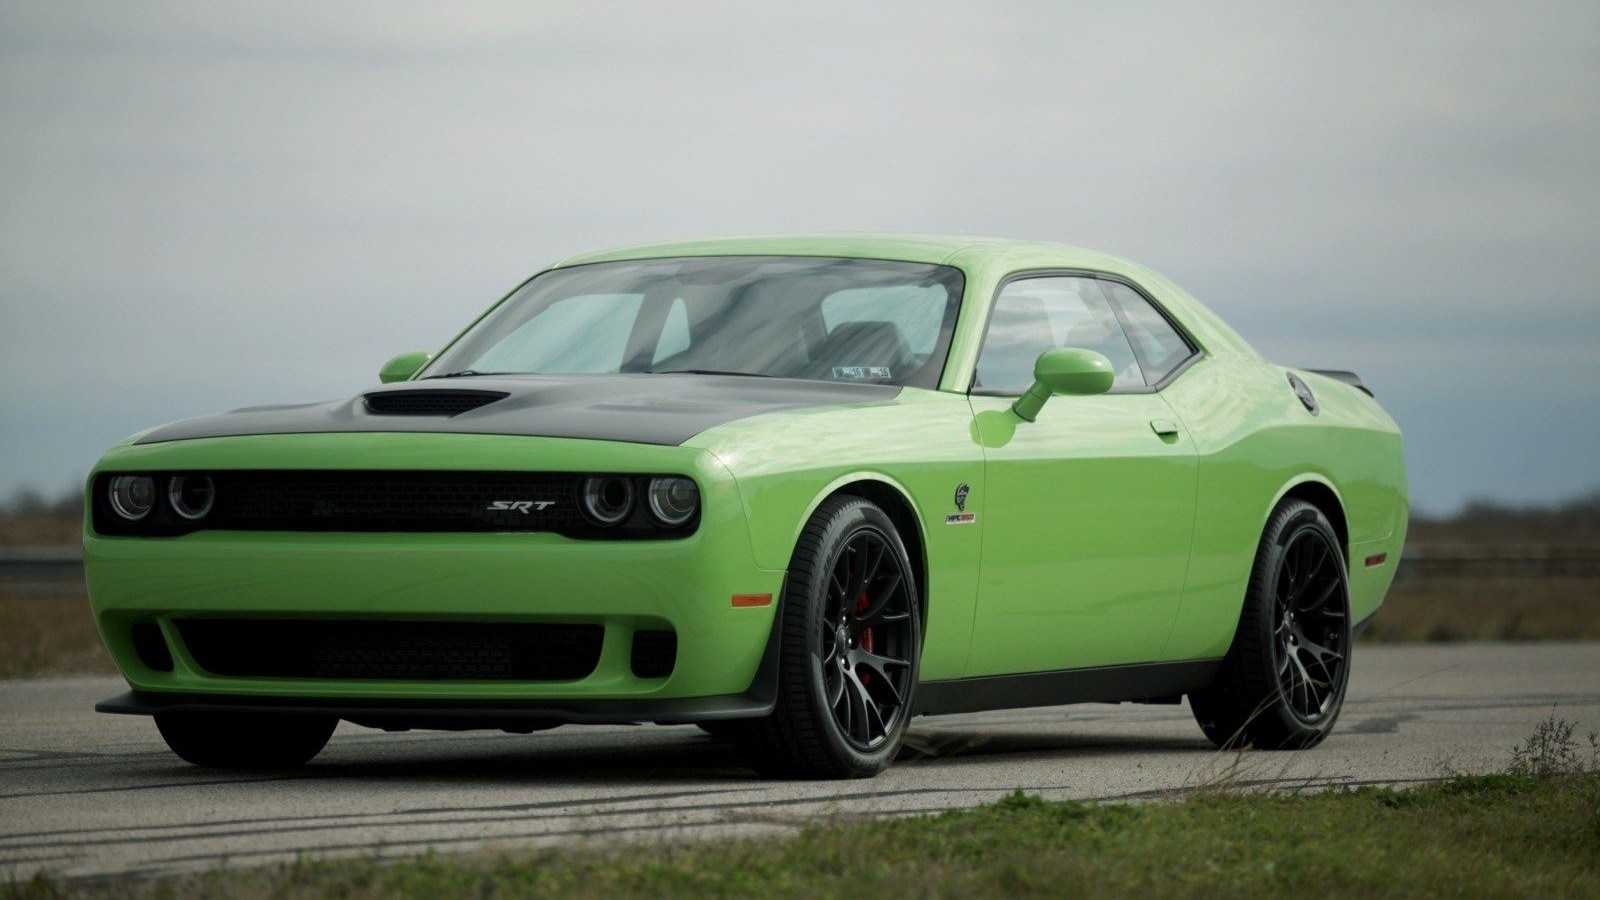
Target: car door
x,y
1089,510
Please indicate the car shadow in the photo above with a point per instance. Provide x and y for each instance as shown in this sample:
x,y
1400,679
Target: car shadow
x,y
667,755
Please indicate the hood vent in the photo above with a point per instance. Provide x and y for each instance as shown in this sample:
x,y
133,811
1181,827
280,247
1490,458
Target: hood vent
x,y
429,403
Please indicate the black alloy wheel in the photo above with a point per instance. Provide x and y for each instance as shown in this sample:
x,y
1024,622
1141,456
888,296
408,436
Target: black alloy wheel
x,y
850,644
866,654
1283,681
1309,626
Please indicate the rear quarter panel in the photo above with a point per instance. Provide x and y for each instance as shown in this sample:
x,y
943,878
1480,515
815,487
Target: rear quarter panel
x,y
1256,444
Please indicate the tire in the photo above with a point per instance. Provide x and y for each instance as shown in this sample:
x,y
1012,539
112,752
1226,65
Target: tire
x,y
1283,681
245,740
847,671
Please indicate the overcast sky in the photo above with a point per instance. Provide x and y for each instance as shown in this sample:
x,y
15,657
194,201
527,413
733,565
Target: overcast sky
x,y
210,205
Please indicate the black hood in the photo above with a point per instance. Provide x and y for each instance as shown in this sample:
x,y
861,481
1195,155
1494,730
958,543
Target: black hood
x,y
643,409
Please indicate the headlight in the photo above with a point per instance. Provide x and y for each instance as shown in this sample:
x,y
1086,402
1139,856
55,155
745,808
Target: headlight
x,y
673,500
191,496
608,499
132,496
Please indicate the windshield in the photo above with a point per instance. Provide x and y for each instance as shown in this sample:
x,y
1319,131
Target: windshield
x,y
788,317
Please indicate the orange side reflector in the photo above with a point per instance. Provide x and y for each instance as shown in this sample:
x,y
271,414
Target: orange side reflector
x,y
1377,559
743,600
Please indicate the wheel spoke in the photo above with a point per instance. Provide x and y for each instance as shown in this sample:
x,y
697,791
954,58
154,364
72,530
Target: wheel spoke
x,y
838,579
835,688
1291,683
861,707
877,607
857,575
1304,586
845,705
1323,594
880,666
876,551
874,724
1306,681
1319,651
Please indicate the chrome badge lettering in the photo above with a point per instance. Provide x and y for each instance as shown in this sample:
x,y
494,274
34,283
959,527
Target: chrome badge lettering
x,y
521,506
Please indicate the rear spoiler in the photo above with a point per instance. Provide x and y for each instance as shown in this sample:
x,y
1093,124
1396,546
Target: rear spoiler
x,y
1349,378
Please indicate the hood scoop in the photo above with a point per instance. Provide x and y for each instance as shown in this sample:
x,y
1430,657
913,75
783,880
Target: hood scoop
x,y
429,402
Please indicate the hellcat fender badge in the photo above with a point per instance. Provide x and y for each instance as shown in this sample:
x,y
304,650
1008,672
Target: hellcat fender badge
x,y
961,517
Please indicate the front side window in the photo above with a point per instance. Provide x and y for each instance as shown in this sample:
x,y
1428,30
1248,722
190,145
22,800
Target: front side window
x,y
1033,315
792,317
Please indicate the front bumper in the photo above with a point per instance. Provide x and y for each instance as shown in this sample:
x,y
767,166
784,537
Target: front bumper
x,y
514,715
683,585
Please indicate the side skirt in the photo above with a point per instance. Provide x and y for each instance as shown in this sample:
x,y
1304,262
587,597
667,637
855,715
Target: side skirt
x,y
1100,684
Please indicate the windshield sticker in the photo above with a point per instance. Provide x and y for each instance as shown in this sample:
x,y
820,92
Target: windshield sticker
x,y
861,373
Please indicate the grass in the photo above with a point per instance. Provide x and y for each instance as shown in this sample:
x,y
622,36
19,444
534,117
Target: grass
x,y
1459,608
50,634
40,531
1479,836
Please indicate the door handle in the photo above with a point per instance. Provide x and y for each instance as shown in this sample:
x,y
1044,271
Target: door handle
x,y
1164,427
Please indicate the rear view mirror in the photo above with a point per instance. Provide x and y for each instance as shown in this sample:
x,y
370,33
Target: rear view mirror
x,y
1064,370
404,366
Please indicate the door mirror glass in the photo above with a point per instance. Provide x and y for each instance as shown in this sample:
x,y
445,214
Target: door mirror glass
x,y
402,367
1064,370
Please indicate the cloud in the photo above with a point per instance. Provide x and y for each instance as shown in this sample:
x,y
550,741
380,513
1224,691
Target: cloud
x,y
212,205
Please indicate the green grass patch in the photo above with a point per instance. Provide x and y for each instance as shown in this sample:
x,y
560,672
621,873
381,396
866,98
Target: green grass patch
x,y
1489,835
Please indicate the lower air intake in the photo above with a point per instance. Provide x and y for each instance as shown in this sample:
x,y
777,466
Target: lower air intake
x,y
397,651
150,646
655,653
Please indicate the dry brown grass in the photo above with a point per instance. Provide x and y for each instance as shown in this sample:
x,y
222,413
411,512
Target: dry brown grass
x,y
1466,608
55,531
49,634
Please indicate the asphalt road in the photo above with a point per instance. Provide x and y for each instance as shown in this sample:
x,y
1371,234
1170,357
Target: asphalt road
x,y
85,794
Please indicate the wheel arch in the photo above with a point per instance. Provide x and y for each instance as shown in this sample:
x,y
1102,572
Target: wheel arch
x,y
896,502
1321,493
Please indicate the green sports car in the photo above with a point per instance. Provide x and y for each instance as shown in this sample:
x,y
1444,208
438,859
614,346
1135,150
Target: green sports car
x,y
794,490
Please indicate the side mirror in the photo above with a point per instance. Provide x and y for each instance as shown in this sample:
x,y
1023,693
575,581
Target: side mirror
x,y
402,367
1064,370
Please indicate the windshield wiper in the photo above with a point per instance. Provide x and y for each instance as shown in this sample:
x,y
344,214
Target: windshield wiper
x,y
710,372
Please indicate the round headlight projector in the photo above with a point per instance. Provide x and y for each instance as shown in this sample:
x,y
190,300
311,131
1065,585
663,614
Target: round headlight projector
x,y
191,496
608,499
673,500
132,496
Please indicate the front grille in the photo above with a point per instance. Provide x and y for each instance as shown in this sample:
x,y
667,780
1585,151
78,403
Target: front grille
x,y
430,402
401,651
313,500
655,653
395,501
